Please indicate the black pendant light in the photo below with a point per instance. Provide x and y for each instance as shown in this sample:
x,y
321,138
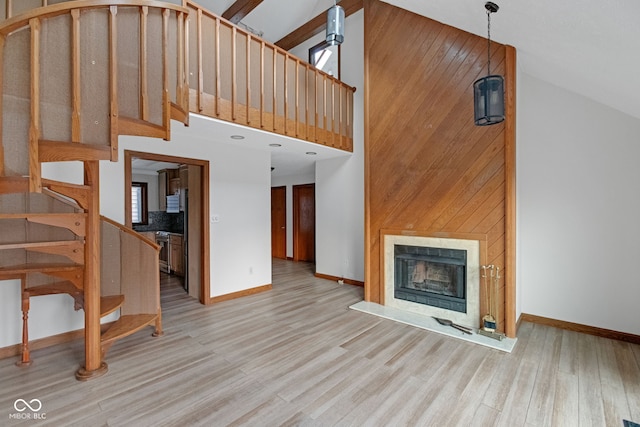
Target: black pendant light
x,y
488,91
335,25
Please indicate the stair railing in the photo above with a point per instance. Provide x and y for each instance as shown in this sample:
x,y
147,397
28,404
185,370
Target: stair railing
x,y
96,69
240,78
130,266
99,69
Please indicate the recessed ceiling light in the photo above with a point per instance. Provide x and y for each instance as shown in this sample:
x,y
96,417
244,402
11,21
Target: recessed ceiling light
x,y
237,137
275,145
311,153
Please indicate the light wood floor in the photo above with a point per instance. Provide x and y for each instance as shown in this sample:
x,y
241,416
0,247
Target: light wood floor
x,y
298,356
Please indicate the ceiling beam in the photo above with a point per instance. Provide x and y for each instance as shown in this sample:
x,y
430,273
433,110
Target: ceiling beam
x,y
316,25
239,9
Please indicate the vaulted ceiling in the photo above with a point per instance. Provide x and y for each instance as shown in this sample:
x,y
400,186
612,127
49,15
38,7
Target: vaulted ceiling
x,y
591,47
587,46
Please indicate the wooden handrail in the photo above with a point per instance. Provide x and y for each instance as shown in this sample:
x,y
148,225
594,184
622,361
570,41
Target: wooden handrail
x,y
131,232
16,22
297,107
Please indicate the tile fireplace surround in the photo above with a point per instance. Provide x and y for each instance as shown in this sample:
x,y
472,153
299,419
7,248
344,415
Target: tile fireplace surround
x,y
420,315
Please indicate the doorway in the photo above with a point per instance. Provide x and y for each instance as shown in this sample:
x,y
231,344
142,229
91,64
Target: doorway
x,y
197,270
304,222
279,222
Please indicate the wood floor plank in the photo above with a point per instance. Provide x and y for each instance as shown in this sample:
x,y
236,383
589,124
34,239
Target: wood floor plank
x,y
517,402
566,410
615,403
590,402
568,351
540,409
297,356
629,375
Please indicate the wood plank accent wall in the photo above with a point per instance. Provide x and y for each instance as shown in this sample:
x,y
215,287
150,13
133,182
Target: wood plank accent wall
x,y
428,168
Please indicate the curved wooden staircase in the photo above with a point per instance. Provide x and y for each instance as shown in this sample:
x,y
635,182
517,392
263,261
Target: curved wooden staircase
x,y
74,77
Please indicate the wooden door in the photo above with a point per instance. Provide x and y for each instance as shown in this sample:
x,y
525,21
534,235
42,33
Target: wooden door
x,y
279,222
304,222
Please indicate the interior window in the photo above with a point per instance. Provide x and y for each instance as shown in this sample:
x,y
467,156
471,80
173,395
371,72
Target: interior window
x,y
139,210
326,57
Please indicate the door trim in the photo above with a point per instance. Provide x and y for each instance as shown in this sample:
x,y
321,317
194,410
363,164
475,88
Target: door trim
x,y
205,259
296,220
280,188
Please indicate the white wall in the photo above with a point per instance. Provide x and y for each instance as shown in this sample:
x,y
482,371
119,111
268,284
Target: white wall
x,y
152,189
240,243
340,182
579,208
289,182
240,197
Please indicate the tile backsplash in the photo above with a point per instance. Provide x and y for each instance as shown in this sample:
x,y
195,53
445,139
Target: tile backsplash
x,y
162,221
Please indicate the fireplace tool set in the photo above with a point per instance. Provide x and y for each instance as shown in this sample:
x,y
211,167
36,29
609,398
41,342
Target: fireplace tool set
x,y
491,286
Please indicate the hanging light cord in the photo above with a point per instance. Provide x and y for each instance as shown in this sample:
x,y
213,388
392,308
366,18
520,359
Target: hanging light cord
x,y
488,42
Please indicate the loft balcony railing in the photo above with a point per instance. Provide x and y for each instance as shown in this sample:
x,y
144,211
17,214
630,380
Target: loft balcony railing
x,y
229,74
237,77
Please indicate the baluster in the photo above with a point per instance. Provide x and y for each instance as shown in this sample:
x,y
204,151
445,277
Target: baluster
x,y
248,78
200,89
166,102
324,107
297,96
217,66
35,182
306,101
76,133
113,82
234,65
286,92
25,357
144,93
315,107
275,79
183,32
262,84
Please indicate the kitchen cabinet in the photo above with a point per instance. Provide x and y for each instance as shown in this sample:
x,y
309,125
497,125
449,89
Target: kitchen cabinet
x,y
162,190
184,185
177,254
174,186
168,184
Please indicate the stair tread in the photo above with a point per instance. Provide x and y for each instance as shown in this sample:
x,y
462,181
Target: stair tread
x,y
127,325
110,304
63,287
39,267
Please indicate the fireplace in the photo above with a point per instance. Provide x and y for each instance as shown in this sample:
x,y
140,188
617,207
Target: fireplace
x,y
431,276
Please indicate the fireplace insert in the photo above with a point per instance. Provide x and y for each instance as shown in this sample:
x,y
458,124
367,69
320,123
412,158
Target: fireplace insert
x,y
431,276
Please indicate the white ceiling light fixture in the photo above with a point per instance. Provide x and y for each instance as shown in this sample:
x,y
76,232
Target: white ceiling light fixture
x,y
335,24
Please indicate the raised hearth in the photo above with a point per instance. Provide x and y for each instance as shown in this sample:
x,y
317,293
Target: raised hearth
x,y
433,276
